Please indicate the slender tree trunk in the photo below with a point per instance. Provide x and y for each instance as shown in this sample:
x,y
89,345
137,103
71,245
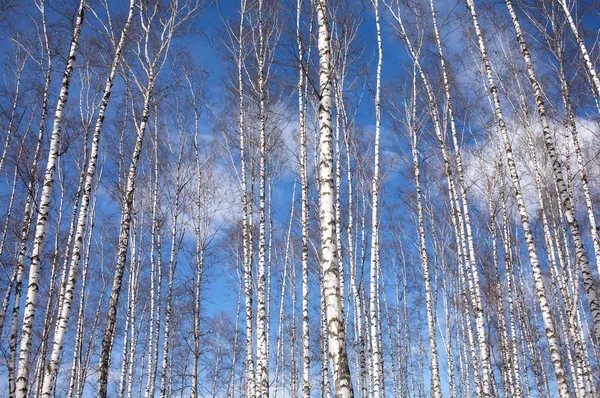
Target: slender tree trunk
x,y
374,269
77,347
165,383
67,299
305,210
155,278
462,212
261,355
43,208
153,67
533,258
436,389
331,281
580,255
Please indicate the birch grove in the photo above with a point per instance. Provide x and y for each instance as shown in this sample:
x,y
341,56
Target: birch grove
x,y
303,198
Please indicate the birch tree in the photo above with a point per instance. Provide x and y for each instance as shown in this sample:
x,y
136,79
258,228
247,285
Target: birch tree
x,y
65,312
43,209
375,270
565,198
166,25
533,257
333,301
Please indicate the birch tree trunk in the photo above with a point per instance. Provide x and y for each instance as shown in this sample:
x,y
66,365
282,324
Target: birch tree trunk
x,y
152,65
463,223
246,220
165,383
262,358
374,269
509,278
531,247
200,253
566,201
77,347
436,389
331,281
155,278
305,210
28,207
65,307
43,208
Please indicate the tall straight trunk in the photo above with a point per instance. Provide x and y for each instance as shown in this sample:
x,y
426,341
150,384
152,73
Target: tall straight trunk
x,y
54,269
557,283
325,368
336,333
67,299
338,197
461,183
78,344
122,248
462,211
20,66
123,242
28,207
292,339
43,208
393,345
358,311
514,357
448,343
21,255
155,278
128,317
531,247
374,269
305,210
279,366
13,278
165,383
262,358
50,313
154,373
436,388
9,133
342,127
565,198
498,297
246,219
231,385
152,65
200,252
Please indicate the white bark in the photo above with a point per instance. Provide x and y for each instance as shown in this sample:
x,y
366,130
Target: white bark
x,y
67,299
374,269
246,211
533,258
329,262
155,279
77,347
43,208
305,210
262,358
436,389
153,67
465,236
565,198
